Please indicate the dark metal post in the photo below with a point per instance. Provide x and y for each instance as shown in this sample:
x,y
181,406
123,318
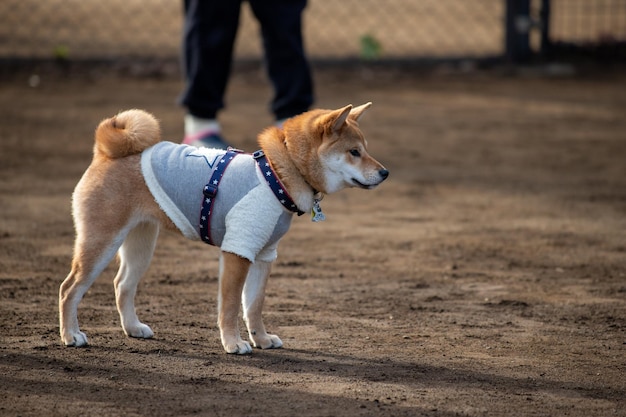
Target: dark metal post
x,y
518,25
545,28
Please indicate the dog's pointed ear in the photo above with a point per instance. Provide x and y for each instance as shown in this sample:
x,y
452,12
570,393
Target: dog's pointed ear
x,y
338,117
357,112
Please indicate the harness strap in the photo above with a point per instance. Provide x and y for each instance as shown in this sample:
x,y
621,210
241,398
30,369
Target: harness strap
x,y
273,181
210,191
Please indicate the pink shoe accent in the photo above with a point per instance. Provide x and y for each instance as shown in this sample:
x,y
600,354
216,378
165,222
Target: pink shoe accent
x,y
189,139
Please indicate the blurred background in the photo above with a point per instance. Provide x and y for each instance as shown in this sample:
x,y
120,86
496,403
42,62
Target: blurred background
x,y
481,31
487,276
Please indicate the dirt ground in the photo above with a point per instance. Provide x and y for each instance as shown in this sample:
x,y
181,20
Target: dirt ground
x,y
486,277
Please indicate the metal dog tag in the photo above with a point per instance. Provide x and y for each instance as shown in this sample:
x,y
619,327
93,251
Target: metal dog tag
x,y
316,212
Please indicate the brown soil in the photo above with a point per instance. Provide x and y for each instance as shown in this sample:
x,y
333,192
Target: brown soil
x,y
487,276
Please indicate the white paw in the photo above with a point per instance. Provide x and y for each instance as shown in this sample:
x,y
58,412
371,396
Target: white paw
x,y
76,338
139,330
240,347
267,341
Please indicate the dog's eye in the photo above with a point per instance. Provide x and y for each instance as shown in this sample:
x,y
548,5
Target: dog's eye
x,y
355,152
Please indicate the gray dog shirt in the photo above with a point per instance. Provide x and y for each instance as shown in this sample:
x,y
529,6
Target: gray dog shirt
x,y
247,218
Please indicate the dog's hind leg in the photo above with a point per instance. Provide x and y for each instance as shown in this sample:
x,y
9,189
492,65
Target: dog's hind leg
x,y
253,298
91,256
135,256
233,272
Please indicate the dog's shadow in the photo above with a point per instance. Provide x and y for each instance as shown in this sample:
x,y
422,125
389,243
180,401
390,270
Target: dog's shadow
x,y
161,371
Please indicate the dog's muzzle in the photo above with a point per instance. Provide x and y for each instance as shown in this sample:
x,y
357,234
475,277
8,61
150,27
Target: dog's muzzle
x,y
383,173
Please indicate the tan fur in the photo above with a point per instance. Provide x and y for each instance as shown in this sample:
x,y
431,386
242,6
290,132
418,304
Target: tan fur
x,y
128,133
114,210
232,279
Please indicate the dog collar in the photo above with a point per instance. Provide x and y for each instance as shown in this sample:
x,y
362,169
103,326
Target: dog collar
x,y
273,181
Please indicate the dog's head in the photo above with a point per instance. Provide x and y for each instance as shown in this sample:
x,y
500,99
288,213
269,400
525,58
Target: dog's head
x,y
329,149
343,152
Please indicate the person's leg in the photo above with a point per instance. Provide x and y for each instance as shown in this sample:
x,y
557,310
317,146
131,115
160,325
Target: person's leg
x,y
287,65
209,35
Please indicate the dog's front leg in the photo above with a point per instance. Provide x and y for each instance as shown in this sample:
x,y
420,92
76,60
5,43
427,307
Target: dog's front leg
x,y
253,297
233,272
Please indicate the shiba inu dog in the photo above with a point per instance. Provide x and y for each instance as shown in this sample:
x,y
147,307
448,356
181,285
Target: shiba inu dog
x,y
242,203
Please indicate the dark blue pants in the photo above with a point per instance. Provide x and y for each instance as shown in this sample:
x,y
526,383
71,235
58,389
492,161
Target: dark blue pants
x,y
209,35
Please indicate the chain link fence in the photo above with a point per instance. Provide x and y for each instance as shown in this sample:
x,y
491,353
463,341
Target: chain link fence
x,y
596,28
334,30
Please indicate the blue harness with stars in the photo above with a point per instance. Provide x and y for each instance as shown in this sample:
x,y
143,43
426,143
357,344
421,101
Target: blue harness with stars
x,y
211,188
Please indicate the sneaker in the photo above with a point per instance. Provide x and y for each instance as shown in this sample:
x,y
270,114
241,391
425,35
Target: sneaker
x,y
206,140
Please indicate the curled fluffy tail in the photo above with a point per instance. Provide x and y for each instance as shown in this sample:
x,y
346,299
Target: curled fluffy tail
x,y
128,133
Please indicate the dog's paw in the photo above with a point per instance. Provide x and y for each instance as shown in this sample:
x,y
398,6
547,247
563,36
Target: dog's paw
x,y
76,339
241,347
140,331
267,341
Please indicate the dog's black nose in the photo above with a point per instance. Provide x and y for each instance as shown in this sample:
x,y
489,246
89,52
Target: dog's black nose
x,y
383,173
